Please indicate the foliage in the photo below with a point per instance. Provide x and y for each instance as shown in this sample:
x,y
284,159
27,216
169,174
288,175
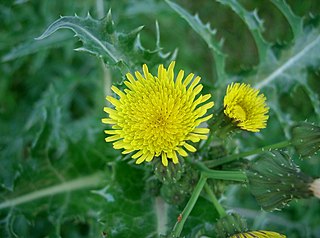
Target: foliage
x,y
60,179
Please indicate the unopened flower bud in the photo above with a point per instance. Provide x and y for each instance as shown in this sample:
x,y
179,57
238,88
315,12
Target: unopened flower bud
x,y
233,226
229,225
275,180
168,174
306,139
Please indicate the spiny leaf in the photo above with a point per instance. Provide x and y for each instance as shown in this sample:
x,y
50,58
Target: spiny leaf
x,y
295,22
314,97
99,37
254,23
32,46
208,35
305,53
46,122
92,33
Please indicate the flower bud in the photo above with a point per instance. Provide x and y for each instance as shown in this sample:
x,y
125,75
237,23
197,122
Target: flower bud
x,y
233,226
229,225
168,174
306,139
176,193
275,180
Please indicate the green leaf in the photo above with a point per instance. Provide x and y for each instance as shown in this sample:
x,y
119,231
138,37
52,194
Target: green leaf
x,y
100,38
32,46
289,68
254,23
93,34
208,35
295,22
81,183
131,212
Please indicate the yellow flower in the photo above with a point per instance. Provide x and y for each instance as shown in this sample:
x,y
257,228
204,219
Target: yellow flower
x,y
157,115
245,107
258,234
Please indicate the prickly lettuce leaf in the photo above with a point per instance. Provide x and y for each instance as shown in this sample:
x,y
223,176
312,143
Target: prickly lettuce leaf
x,y
101,38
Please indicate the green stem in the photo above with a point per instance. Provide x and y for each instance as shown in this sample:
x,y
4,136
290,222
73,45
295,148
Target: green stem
x,y
205,174
215,201
221,174
187,210
238,176
81,183
230,158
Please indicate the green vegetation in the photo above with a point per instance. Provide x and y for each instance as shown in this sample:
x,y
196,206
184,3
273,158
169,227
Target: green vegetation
x,y
58,176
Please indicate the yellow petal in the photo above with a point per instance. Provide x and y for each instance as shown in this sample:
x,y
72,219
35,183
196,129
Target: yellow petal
x,y
181,152
138,154
175,158
113,138
141,159
189,147
201,130
164,159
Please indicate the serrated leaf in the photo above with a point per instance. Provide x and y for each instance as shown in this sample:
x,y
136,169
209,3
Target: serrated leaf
x,y
92,33
99,37
295,22
208,35
254,23
304,53
132,212
45,123
32,46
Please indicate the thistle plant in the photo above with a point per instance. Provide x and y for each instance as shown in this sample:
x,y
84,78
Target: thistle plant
x,y
191,134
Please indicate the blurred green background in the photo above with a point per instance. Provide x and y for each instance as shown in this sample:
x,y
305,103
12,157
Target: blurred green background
x,y
51,100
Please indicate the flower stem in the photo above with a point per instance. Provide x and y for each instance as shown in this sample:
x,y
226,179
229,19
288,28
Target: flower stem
x,y
238,176
205,174
230,158
215,201
187,210
80,183
221,174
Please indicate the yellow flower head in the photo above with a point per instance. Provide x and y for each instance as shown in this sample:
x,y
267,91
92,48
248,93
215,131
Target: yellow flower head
x,y
157,115
258,234
245,107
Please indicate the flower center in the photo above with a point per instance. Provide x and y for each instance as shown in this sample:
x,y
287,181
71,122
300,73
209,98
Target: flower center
x,y
160,121
239,113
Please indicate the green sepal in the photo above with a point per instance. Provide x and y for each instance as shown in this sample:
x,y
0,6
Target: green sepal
x,y
275,180
230,225
168,174
306,139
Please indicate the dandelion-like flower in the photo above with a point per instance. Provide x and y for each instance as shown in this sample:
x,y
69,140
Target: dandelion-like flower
x,y
258,234
246,107
156,116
